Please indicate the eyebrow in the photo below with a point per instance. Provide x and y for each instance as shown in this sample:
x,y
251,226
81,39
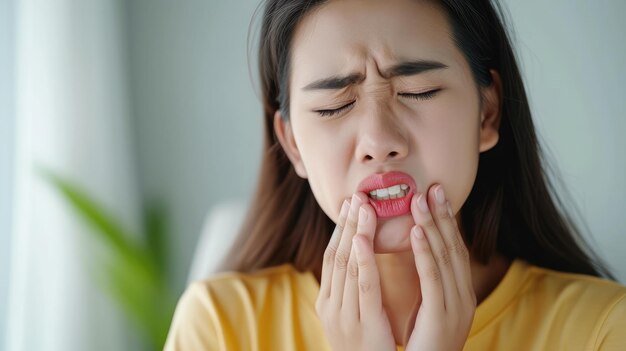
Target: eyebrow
x,y
406,68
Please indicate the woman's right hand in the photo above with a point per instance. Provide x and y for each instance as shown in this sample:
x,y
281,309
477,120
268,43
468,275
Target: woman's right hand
x,y
349,303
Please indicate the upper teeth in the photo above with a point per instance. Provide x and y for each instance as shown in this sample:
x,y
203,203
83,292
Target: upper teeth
x,y
390,191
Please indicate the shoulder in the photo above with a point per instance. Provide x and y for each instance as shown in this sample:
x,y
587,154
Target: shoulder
x,y
584,288
213,311
253,287
536,308
238,289
260,278
593,306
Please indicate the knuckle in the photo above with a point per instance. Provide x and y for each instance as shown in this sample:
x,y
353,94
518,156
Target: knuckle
x,y
443,256
432,273
365,286
458,248
341,259
329,254
341,222
351,225
429,225
442,213
353,270
363,264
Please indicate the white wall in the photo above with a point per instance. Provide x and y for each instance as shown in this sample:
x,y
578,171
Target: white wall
x,y
573,55
70,117
198,120
7,125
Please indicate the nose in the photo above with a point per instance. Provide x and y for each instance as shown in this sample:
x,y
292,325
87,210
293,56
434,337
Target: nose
x,y
381,138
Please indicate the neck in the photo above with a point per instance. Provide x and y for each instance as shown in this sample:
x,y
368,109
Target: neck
x,y
401,294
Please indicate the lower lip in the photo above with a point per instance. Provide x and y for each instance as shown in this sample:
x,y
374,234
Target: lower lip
x,y
392,207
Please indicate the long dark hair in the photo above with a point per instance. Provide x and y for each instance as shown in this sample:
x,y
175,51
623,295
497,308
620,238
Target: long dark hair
x,y
512,208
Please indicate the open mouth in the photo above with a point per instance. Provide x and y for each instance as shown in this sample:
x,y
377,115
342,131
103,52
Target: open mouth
x,y
393,192
390,193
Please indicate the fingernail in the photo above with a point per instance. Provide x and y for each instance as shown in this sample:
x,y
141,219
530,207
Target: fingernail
x,y
421,203
439,195
356,201
362,215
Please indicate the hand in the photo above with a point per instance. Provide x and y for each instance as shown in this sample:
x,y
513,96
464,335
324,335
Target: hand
x,y
349,303
448,299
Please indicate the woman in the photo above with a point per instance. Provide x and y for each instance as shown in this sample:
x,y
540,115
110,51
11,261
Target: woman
x,y
402,201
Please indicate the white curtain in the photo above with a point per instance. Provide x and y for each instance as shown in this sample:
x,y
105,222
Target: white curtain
x,y
72,116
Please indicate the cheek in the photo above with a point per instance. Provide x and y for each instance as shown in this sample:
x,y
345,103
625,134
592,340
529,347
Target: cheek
x,y
326,157
451,157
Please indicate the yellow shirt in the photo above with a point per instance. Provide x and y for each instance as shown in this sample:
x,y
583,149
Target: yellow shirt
x,y
532,308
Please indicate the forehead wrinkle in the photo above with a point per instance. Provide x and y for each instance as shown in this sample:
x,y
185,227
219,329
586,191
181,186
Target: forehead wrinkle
x,y
375,84
359,53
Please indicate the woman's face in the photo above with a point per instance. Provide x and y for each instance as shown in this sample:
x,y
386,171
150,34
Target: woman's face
x,y
379,128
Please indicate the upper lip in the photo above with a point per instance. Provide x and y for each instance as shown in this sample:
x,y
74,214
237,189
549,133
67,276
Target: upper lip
x,y
385,180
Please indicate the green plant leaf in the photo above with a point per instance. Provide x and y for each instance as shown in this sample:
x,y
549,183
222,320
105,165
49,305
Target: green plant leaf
x,y
135,272
155,223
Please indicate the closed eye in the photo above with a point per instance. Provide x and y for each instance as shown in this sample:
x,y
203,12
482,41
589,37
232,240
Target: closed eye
x,y
421,96
335,111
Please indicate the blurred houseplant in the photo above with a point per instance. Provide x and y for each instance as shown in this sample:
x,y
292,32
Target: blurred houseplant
x,y
135,275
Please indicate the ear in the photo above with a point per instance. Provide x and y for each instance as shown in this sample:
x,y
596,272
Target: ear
x,y
490,112
288,142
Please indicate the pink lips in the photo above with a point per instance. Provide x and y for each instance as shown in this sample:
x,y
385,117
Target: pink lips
x,y
391,207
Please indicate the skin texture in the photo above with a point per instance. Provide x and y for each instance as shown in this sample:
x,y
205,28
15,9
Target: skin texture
x,y
436,141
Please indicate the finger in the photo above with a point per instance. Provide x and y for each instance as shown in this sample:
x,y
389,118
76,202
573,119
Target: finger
x,y
466,275
351,290
423,217
459,256
370,299
342,255
428,271
329,253
369,228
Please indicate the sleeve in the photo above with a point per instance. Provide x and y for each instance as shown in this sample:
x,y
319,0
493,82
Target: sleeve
x,y
612,335
192,326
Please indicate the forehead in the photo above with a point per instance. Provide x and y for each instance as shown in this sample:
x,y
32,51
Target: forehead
x,y
342,35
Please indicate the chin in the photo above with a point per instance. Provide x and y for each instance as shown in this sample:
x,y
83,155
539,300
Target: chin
x,y
392,234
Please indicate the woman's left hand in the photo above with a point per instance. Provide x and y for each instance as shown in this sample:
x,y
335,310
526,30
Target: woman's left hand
x,y
448,300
